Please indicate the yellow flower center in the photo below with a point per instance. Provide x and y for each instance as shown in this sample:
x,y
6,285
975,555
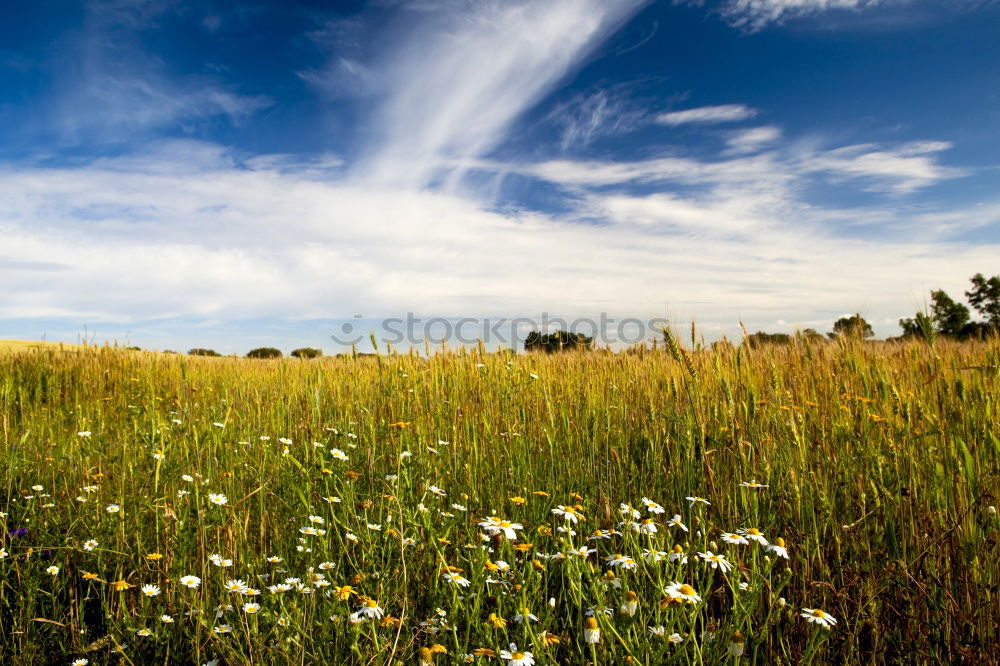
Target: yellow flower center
x,y
686,590
818,613
517,655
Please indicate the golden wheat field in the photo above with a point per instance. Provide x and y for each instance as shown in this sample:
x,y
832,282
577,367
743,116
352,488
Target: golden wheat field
x,y
819,503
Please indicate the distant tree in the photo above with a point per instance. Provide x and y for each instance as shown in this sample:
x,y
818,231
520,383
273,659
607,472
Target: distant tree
x,y
985,298
197,351
264,352
168,351
853,326
558,341
133,349
306,352
950,318
760,338
810,335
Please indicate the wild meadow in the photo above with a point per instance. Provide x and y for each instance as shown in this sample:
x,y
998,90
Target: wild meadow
x,y
825,503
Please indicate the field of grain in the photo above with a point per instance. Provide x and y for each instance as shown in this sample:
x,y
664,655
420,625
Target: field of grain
x,y
823,503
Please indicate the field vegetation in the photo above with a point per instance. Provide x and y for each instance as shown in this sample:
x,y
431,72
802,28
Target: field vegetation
x,y
815,502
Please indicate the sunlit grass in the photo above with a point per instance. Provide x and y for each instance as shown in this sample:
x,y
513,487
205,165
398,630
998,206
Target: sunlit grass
x,y
387,509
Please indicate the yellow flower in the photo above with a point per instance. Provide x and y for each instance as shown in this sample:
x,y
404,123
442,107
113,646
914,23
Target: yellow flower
x,y
437,648
90,576
518,500
344,593
120,585
548,638
483,652
497,622
522,547
154,556
541,493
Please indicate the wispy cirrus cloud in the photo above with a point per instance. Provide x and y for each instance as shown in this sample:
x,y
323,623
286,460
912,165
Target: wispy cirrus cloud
x,y
109,88
707,115
459,79
756,14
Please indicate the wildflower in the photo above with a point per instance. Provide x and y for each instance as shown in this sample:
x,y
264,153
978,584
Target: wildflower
x,y
525,616
754,534
86,574
629,512
83,433
456,579
653,556
89,545
676,522
591,632
494,525
675,638
144,632
570,513
218,499
682,591
372,609
778,548
150,590
631,604
339,455
582,551
517,658
734,538
652,506
113,508
658,631
437,491
53,570
274,559
647,526
496,621
736,645
251,608
190,581
752,483
166,619
819,617
223,629
153,557
518,500
483,652
697,500
120,585
619,560
234,585
716,561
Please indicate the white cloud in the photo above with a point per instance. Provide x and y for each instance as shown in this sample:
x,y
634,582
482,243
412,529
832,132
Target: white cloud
x,y
756,14
902,169
459,79
752,140
723,113
218,241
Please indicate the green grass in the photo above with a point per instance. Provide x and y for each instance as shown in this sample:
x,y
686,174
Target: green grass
x,y
881,463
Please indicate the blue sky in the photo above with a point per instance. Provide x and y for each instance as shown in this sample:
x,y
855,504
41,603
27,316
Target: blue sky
x,y
232,174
